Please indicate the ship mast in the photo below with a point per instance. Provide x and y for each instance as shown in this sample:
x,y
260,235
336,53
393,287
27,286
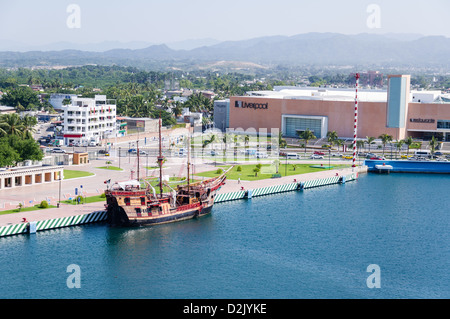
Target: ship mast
x,y
188,158
160,161
138,166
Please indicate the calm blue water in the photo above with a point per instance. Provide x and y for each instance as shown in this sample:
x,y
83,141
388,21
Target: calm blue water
x,y
312,244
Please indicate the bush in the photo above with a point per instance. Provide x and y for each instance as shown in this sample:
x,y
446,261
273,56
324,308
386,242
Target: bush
x,y
80,198
43,204
103,195
239,168
219,171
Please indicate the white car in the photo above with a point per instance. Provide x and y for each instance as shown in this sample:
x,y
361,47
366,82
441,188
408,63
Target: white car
x,y
141,152
92,143
315,156
261,155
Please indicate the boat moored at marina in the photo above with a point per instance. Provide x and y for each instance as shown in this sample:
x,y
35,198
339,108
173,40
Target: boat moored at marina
x,y
136,203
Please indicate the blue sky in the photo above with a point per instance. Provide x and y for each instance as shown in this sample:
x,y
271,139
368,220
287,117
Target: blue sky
x,y
156,21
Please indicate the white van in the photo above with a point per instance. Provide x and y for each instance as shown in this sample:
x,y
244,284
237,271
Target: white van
x,y
293,156
422,153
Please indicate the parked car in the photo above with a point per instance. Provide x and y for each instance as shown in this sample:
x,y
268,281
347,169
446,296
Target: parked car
x,y
347,157
131,150
369,155
377,158
141,152
261,155
92,143
316,156
103,151
58,150
319,153
337,154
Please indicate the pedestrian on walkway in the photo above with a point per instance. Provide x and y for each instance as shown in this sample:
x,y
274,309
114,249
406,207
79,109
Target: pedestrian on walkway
x,y
239,180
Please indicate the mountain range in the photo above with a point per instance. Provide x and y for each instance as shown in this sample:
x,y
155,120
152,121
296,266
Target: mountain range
x,y
388,50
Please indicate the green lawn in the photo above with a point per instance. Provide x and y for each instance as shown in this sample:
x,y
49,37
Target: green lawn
x,y
267,171
68,174
113,168
24,209
90,199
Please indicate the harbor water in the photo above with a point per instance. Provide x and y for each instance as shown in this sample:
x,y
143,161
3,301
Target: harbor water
x,y
316,243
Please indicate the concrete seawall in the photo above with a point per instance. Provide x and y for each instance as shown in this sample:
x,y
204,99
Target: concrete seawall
x,y
74,215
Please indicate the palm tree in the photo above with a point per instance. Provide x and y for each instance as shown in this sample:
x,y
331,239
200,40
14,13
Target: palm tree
x,y
12,124
339,143
433,144
332,137
208,141
235,140
177,110
399,146
370,140
306,135
225,139
385,138
28,123
277,164
408,141
359,144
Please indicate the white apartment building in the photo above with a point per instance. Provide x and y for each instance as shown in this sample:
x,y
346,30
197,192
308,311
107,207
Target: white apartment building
x,y
87,120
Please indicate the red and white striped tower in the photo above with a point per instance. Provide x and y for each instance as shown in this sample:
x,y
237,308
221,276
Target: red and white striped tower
x,y
356,121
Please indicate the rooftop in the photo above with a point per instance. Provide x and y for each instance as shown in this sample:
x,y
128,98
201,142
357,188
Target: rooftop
x,y
344,94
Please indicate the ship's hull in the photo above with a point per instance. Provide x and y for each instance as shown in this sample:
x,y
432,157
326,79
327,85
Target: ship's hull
x,y
116,216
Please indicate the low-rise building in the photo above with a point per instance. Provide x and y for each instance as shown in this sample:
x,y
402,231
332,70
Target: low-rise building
x,y
89,120
31,175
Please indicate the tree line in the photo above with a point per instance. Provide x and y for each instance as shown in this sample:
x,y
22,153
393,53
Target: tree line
x,y
16,140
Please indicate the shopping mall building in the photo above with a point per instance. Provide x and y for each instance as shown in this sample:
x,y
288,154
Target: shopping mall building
x,y
397,111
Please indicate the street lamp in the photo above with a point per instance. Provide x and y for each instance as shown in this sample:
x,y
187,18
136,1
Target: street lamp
x,y
285,166
59,195
329,158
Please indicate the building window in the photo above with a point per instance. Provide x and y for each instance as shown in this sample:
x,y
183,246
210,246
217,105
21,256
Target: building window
x,y
443,124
